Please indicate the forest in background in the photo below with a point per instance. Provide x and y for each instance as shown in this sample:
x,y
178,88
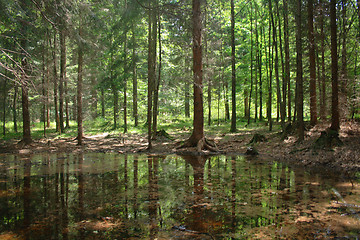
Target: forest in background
x,y
115,63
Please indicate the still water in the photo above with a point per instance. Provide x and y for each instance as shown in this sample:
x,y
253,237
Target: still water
x,y
112,196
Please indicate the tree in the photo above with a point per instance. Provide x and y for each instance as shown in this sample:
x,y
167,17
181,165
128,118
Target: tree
x,y
80,82
233,70
152,35
197,137
25,78
299,73
313,110
335,119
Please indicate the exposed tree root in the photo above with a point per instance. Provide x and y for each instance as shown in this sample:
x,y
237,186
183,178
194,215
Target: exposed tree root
x,y
202,144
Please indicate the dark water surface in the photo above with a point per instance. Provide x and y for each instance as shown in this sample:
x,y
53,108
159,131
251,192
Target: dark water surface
x,y
112,196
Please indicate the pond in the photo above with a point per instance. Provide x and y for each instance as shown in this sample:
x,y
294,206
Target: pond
x,y
113,196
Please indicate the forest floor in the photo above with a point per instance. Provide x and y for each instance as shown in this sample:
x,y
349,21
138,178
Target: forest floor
x,y
344,159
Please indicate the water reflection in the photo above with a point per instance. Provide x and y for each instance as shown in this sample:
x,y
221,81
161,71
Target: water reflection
x,y
111,196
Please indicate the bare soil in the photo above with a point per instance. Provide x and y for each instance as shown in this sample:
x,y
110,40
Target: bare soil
x,y
344,159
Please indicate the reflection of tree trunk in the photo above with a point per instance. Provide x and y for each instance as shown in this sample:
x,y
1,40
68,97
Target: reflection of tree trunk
x,y
126,185
136,184
196,219
80,191
63,202
27,195
153,196
233,192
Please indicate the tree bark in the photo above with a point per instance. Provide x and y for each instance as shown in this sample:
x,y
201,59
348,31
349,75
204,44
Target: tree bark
x,y
322,50
57,117
157,85
233,70
287,56
335,118
24,81
134,78
151,69
62,78
313,109
79,89
15,107
299,73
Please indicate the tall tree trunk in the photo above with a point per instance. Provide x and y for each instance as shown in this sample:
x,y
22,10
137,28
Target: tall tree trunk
x,y
335,118
44,87
270,68
125,82
24,81
94,98
260,80
151,69
275,44
299,73
79,89
62,78
25,100
344,74
313,109
251,64
15,107
102,103
157,85
134,78
233,69
283,101
4,106
57,117
322,50
197,137
287,56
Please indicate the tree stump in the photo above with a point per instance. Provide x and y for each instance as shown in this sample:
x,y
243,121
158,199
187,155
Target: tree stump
x,y
327,140
258,138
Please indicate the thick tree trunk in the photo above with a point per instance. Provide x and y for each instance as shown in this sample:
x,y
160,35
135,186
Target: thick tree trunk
x,y
299,73
335,118
313,110
233,70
